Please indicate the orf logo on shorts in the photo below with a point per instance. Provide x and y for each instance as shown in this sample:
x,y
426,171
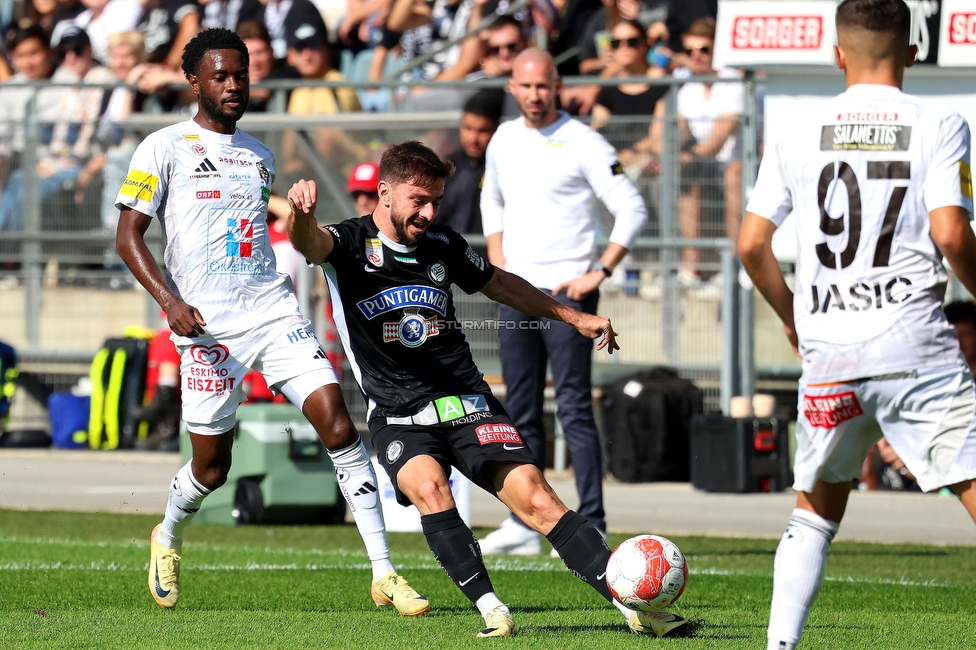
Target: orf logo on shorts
x,y
210,355
491,433
828,411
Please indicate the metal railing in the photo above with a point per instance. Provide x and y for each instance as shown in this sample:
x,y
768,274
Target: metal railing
x,y
69,292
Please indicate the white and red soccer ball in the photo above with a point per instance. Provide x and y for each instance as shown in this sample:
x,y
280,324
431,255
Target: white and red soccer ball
x,y
647,573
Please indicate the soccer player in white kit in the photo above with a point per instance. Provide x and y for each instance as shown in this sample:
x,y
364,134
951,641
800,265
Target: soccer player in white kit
x,y
880,186
208,183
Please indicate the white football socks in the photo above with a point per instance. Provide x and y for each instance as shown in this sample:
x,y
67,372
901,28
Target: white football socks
x,y
185,497
797,574
357,481
489,602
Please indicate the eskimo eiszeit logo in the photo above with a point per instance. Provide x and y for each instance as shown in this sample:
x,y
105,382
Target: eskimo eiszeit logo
x,y
210,355
410,295
207,375
240,234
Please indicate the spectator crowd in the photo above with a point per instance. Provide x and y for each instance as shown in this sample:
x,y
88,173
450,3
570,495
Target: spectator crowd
x,y
137,45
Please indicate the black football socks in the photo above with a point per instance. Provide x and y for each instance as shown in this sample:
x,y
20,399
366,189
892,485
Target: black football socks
x,y
456,549
583,550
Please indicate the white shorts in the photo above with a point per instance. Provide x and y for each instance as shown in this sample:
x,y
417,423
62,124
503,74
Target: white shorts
x,y
927,416
212,371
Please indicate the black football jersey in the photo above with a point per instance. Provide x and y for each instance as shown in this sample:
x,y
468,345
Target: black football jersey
x,y
394,311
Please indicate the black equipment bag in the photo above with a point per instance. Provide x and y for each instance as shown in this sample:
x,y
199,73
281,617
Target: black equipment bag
x,y
29,424
647,419
740,455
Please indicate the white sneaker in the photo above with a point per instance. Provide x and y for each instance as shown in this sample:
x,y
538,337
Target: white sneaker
x,y
511,538
606,536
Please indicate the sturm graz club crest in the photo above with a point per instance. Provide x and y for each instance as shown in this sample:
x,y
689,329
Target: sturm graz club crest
x,y
412,330
437,272
393,451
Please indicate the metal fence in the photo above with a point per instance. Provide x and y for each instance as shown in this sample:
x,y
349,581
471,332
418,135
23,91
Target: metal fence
x,y
676,300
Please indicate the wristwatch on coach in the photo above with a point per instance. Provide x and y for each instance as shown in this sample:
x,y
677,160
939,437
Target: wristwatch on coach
x,y
600,266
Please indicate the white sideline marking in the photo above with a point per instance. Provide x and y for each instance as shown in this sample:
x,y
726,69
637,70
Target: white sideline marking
x,y
498,566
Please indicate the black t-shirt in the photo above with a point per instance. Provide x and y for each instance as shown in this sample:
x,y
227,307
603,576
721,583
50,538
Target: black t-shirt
x,y
681,13
394,310
461,206
620,103
160,23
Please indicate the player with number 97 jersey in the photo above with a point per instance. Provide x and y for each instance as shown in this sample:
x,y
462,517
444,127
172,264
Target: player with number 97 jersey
x,y
862,180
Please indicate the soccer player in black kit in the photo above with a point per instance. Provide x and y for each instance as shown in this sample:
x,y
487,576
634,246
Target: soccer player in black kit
x,y
390,275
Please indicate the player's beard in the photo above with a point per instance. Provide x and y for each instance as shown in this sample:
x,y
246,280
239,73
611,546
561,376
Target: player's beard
x,y
212,109
400,228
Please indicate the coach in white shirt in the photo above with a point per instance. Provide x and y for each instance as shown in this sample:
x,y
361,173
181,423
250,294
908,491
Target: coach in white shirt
x,y
543,176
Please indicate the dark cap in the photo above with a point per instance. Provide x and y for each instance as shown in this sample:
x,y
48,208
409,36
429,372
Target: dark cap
x,y
304,26
71,37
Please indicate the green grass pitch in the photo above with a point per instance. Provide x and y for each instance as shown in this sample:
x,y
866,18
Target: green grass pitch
x,y
70,580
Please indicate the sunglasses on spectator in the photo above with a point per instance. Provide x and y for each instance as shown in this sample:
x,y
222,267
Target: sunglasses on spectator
x,y
704,49
514,48
632,43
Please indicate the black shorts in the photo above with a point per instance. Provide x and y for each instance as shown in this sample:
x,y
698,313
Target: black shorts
x,y
472,442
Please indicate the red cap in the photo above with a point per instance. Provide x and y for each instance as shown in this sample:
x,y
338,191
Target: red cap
x,y
364,178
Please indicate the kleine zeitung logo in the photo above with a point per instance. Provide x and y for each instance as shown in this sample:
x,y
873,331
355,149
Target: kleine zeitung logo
x,y
777,32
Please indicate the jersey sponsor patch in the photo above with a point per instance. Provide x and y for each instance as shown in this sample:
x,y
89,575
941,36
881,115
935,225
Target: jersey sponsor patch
x,y
374,251
865,137
829,411
196,145
965,179
494,433
208,194
475,259
449,408
140,185
412,330
616,168
411,295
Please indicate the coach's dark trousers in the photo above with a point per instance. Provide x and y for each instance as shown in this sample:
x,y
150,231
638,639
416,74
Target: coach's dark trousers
x,y
526,343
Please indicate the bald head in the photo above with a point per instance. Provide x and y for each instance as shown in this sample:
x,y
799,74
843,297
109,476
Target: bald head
x,y
537,60
535,86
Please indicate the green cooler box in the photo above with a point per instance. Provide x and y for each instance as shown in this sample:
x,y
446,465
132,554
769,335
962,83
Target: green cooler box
x,y
281,472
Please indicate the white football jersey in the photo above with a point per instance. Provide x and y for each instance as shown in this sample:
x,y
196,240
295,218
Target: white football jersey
x,y
862,180
210,193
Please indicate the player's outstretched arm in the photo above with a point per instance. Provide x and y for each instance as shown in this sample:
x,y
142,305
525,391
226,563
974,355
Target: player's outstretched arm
x,y
303,230
952,232
511,290
756,253
130,242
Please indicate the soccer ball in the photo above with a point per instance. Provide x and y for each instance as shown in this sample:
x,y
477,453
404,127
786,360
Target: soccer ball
x,y
647,573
